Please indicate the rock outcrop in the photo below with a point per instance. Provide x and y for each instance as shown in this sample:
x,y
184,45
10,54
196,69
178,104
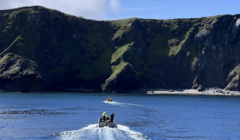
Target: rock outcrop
x,y
19,74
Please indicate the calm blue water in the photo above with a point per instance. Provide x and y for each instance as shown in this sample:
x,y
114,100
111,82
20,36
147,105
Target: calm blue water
x,y
61,116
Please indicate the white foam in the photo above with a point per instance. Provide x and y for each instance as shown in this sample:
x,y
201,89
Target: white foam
x,y
135,105
93,132
114,103
131,133
71,135
122,104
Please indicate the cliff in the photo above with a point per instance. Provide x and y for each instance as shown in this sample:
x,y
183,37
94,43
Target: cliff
x,y
70,52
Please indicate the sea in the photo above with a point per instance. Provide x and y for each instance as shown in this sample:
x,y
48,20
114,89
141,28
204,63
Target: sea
x,y
74,116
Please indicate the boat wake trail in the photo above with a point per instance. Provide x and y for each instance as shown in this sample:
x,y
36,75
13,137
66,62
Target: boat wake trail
x,y
112,102
92,131
121,104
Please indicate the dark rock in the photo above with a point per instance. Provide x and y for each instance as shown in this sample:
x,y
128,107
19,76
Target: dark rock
x,y
19,74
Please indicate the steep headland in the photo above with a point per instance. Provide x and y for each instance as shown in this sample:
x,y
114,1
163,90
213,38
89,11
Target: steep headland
x,y
49,50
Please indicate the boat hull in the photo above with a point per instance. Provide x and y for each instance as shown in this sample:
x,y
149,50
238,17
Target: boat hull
x,y
107,122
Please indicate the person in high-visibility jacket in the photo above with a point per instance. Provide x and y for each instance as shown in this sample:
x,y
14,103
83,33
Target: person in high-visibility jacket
x,y
104,114
104,118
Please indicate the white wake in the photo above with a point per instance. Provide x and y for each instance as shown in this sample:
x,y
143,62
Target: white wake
x,y
112,102
121,104
92,131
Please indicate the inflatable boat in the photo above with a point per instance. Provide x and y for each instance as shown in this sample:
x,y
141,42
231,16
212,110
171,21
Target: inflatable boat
x,y
107,122
108,101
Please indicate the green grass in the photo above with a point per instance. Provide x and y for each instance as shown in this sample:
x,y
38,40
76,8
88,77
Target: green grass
x,y
5,58
174,50
122,22
173,25
118,69
189,32
119,53
121,26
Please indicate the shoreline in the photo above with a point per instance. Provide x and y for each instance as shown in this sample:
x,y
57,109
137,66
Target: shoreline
x,y
189,92
153,91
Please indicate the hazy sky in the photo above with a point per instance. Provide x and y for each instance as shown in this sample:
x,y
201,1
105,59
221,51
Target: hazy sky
x,y
118,9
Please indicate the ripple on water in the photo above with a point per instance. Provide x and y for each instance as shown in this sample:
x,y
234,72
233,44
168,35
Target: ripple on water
x,y
33,111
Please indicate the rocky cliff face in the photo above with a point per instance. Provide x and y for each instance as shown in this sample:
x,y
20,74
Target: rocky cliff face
x,y
19,74
121,55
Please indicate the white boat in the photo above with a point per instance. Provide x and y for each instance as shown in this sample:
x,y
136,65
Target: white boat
x,y
107,122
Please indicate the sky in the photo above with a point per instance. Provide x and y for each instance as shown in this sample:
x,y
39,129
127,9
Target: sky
x,y
121,9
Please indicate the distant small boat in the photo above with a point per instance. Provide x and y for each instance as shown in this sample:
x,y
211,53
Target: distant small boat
x,y
109,99
108,123
111,102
